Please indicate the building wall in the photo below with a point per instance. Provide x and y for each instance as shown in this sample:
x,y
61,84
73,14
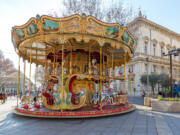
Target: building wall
x,y
160,38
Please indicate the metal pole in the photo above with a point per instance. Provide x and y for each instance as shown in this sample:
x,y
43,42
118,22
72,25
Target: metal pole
x,y
149,64
24,75
131,71
147,77
71,60
125,76
62,73
54,62
112,65
171,74
89,70
30,78
36,73
100,77
18,80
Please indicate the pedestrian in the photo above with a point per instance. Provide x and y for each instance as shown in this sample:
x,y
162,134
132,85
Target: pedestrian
x,y
1,98
14,94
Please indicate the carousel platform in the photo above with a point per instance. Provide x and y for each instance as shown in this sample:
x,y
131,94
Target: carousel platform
x,y
80,113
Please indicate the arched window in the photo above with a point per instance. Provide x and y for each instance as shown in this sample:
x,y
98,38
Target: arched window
x,y
146,68
162,50
145,47
154,68
154,50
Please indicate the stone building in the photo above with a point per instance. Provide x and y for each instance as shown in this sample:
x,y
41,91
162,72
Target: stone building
x,y
152,40
11,85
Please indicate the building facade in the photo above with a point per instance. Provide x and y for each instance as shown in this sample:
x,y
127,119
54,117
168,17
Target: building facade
x,y
152,40
12,84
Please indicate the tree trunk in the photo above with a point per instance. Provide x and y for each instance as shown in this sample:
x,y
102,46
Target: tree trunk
x,y
153,90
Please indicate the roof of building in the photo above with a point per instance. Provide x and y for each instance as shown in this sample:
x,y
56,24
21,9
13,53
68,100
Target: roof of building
x,y
143,19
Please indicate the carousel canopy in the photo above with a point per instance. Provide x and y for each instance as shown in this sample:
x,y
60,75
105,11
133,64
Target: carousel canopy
x,y
44,35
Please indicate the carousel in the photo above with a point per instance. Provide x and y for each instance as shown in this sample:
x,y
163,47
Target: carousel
x,y
78,55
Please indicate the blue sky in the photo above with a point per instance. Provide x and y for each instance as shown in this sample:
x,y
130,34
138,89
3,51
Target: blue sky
x,y
18,12
163,12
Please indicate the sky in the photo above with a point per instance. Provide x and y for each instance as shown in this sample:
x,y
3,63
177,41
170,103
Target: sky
x,y
18,12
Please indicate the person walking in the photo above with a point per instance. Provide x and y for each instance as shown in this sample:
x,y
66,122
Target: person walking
x,y
1,98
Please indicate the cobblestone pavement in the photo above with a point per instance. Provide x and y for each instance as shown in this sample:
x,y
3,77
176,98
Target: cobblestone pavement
x,y
142,121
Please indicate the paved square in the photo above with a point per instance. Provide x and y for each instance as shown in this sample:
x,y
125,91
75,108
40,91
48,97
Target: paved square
x,y
143,121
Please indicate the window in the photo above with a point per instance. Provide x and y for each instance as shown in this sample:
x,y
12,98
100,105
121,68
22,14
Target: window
x,y
162,69
154,50
174,57
154,68
168,51
162,50
146,68
168,70
145,47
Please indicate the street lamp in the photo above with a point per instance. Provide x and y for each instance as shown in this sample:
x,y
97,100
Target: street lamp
x,y
174,52
147,60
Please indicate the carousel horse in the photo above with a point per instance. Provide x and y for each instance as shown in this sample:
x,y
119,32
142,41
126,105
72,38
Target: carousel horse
x,y
107,99
24,99
95,99
57,98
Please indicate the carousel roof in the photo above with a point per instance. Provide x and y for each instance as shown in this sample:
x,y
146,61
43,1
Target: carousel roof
x,y
44,34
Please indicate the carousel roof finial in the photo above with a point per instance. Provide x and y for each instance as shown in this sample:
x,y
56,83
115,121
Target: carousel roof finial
x,y
83,15
38,17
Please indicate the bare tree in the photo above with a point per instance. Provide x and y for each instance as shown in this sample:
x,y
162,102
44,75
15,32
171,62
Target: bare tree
x,y
115,11
6,69
52,12
119,13
89,7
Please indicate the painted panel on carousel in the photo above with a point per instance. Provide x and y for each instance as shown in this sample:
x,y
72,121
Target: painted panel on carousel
x,y
32,29
49,25
20,34
71,25
132,42
14,41
93,27
125,37
112,32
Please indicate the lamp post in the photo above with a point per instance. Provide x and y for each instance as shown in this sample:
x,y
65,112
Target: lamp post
x,y
174,52
147,60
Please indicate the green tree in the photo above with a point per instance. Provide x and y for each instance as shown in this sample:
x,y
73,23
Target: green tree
x,y
164,80
153,80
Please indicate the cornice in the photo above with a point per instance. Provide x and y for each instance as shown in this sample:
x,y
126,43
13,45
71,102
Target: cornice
x,y
152,24
154,59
